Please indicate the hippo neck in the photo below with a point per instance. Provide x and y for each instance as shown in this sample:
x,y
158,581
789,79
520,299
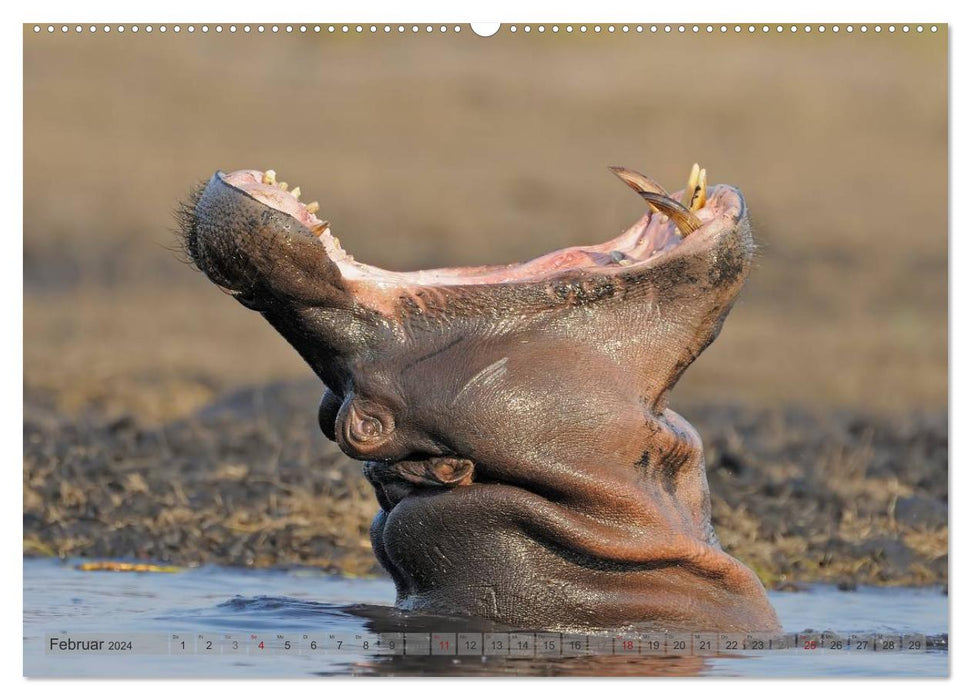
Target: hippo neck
x,y
634,546
653,508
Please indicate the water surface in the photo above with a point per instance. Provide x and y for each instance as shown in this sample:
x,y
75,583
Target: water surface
x,y
60,600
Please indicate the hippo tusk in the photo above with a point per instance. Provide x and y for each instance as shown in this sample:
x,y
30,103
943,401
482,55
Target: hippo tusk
x,y
696,193
701,193
659,200
682,217
638,182
688,196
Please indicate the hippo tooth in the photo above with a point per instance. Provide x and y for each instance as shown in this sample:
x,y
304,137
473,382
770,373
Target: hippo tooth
x,y
702,193
682,217
295,192
283,186
689,191
269,177
638,182
313,207
659,200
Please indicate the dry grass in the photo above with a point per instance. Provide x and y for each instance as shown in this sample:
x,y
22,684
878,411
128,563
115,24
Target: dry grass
x,y
815,496
250,481
241,484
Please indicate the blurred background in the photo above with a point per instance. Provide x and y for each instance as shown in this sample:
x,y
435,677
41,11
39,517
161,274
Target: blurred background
x,y
450,149
434,150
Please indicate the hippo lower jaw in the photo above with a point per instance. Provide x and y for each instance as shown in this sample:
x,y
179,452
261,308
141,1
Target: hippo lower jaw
x,y
512,418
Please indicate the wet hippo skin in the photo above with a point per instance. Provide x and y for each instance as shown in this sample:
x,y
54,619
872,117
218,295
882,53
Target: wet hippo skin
x,y
513,419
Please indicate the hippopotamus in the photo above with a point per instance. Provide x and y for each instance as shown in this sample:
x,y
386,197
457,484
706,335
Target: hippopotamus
x,y
513,419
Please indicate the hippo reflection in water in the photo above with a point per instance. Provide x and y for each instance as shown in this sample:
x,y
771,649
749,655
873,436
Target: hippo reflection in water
x,y
513,419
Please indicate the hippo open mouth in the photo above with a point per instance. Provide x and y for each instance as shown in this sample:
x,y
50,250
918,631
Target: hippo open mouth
x,y
641,244
513,419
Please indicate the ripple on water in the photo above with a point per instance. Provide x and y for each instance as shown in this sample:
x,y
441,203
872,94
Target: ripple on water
x,y
59,598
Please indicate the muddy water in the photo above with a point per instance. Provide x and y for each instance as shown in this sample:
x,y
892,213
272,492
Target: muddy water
x,y
59,601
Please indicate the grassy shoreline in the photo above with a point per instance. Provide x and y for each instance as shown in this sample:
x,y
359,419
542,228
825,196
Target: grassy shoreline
x,y
798,495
